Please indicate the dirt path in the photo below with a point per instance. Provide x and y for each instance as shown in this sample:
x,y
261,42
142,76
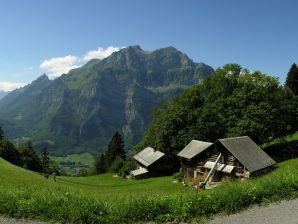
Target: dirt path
x,y
285,212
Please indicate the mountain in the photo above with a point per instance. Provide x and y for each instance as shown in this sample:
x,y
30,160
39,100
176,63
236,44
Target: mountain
x,y
3,94
79,111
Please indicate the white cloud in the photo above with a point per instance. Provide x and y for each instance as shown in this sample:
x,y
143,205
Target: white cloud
x,y
100,53
9,86
55,67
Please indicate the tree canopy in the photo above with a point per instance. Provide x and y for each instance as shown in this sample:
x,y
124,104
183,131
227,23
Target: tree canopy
x,y
9,152
29,158
292,79
45,162
1,133
232,102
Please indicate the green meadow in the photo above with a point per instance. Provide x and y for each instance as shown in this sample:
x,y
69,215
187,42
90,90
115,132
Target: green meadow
x,y
84,158
287,138
108,199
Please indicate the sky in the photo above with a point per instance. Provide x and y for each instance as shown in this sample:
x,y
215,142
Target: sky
x,y
55,36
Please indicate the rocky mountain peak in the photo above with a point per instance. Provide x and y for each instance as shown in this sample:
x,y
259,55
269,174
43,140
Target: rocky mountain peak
x,y
79,111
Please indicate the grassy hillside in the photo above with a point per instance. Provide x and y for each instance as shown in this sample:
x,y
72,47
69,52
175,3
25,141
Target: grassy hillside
x,y
107,199
287,138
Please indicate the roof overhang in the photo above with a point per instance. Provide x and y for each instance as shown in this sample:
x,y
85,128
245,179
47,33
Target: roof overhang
x,y
219,167
139,171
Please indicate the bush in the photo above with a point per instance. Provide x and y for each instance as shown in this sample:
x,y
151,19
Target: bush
x,y
178,176
283,151
9,152
128,166
116,165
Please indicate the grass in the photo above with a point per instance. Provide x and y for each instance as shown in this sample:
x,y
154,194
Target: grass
x,y
84,158
106,199
287,138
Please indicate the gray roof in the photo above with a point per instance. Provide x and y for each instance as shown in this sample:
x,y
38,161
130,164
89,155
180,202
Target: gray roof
x,y
194,148
139,171
247,152
148,156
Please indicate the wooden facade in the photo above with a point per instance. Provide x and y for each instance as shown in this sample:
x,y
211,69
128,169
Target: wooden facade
x,y
240,158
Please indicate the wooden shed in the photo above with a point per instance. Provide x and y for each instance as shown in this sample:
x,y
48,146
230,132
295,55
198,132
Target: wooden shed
x,y
151,163
193,157
247,158
238,157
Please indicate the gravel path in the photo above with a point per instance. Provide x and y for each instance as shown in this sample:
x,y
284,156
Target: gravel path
x,y
17,221
285,212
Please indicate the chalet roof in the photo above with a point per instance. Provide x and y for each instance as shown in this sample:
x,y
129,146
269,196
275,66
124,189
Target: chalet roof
x,y
139,171
194,148
247,152
148,156
219,167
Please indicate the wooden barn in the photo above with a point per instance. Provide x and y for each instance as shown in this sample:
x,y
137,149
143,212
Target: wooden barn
x,y
238,157
193,157
151,163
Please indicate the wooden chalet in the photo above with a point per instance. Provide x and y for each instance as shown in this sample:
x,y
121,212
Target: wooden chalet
x,y
238,157
151,163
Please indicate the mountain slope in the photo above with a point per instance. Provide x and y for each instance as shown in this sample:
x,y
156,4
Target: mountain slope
x,y
80,110
3,94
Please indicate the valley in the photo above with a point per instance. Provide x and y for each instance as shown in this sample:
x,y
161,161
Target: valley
x,y
74,163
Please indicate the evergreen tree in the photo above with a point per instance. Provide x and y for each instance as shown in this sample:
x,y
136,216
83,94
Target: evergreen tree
x,y
292,79
1,134
45,162
100,164
29,158
115,148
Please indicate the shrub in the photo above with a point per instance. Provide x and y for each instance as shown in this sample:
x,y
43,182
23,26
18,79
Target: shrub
x,y
178,176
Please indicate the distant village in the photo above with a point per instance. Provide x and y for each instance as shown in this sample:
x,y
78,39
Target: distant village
x,y
207,164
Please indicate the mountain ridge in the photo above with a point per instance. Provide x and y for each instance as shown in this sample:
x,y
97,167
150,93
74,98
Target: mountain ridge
x,y
80,110
3,94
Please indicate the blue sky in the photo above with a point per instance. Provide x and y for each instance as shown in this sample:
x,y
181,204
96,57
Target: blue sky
x,y
38,35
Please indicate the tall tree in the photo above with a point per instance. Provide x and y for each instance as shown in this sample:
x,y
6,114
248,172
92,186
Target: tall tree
x,y
100,164
292,79
1,134
115,148
45,162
